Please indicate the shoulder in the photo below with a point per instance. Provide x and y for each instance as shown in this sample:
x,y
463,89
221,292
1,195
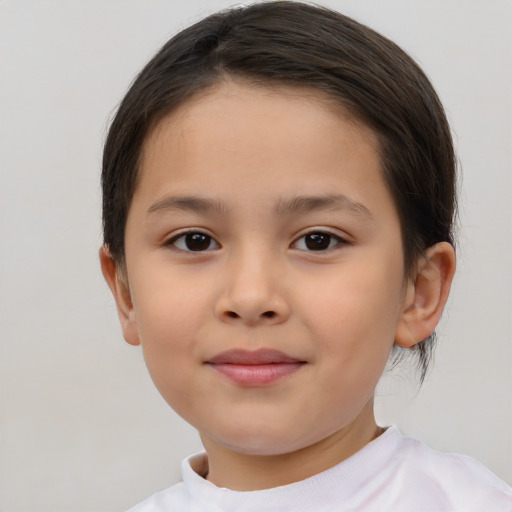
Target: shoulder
x,y
167,500
459,482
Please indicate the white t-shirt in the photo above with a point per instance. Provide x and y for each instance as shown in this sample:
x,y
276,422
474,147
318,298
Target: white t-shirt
x,y
392,473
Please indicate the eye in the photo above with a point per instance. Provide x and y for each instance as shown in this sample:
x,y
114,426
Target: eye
x,y
317,241
193,241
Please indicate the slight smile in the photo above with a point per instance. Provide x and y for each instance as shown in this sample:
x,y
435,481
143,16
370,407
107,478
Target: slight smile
x,y
255,368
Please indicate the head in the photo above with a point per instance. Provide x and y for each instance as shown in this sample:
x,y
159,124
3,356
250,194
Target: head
x,y
314,52
299,46
278,188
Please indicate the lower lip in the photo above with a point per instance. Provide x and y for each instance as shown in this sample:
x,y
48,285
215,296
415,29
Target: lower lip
x,y
256,374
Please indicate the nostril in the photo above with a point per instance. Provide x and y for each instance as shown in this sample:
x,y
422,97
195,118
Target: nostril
x,y
234,315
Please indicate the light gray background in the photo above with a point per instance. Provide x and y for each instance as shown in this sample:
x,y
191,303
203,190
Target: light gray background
x,y
81,427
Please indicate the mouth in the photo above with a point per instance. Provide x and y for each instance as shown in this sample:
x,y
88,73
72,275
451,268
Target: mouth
x,y
254,368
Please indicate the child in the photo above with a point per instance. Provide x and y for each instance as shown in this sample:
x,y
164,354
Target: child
x,y
278,199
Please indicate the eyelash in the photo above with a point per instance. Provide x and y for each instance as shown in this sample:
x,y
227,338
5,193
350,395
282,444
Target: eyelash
x,y
183,235
319,237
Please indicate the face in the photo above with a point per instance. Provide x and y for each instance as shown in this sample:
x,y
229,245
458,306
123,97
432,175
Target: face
x,y
264,267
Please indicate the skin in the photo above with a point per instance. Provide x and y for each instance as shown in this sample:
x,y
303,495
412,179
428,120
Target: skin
x,y
247,154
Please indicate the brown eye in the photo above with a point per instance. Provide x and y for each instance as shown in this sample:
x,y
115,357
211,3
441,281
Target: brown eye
x,y
197,242
194,241
317,241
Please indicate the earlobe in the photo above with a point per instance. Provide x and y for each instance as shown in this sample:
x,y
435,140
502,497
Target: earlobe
x,y
121,293
426,295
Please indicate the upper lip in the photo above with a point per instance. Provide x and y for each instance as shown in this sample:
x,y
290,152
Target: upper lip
x,y
253,357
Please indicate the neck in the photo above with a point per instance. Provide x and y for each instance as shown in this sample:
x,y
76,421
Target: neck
x,y
248,472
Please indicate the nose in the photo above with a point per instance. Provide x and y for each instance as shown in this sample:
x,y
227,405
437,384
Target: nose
x,y
252,292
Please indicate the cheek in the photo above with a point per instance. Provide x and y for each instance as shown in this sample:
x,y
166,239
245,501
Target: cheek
x,y
167,340
354,315
167,307
168,315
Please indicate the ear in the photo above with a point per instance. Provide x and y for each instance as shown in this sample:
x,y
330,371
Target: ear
x,y
119,288
426,295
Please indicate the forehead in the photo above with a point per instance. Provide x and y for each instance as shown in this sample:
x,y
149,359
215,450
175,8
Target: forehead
x,y
235,117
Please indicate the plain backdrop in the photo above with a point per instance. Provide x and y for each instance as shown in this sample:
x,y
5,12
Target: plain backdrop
x,y
81,427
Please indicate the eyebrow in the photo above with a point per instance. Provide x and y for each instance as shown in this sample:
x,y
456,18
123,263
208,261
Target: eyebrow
x,y
283,207
192,203
325,202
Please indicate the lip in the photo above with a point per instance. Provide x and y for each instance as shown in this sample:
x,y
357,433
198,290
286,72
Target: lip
x,y
254,368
